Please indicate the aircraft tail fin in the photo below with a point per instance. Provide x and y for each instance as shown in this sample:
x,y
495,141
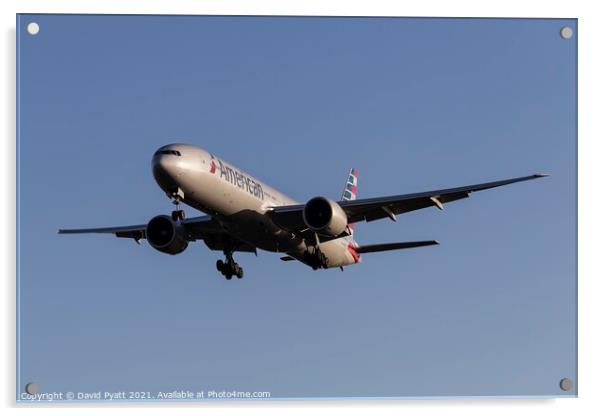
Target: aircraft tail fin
x,y
350,190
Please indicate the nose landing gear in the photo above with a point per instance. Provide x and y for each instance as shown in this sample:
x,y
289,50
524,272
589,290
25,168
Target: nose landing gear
x,y
177,214
229,267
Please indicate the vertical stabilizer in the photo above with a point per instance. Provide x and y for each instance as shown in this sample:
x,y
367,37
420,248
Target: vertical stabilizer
x,y
350,190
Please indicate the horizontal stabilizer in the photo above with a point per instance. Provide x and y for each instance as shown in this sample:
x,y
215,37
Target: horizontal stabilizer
x,y
394,246
287,258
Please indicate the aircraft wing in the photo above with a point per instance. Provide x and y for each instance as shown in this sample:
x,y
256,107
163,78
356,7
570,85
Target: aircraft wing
x,y
128,231
198,228
370,209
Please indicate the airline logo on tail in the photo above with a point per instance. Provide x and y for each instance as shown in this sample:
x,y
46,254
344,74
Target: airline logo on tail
x,y
350,191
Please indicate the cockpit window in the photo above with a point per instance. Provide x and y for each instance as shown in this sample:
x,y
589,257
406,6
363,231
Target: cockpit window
x,y
168,152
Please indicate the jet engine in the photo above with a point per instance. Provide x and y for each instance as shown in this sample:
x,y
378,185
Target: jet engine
x,y
166,235
324,216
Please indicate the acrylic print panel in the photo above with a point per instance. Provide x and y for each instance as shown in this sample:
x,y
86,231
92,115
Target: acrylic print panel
x,y
292,104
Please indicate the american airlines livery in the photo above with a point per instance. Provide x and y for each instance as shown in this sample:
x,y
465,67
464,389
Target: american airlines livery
x,y
245,214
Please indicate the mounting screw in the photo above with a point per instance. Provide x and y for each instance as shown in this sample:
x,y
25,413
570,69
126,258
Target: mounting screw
x,y
566,384
566,32
33,28
31,388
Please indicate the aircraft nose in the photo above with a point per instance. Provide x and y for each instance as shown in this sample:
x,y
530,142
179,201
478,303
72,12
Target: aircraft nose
x,y
165,167
162,165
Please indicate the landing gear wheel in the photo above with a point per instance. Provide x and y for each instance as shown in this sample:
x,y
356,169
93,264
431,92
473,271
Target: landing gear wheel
x,y
238,271
229,267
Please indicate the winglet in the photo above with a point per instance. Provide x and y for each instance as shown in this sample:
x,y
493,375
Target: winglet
x,y
541,175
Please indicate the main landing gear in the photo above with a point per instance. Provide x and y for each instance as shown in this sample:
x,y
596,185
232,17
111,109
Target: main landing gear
x,y
229,267
316,259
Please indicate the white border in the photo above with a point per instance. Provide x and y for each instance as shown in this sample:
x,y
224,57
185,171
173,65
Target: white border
x,y
590,69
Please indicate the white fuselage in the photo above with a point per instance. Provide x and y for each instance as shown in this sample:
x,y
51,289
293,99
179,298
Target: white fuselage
x,y
238,201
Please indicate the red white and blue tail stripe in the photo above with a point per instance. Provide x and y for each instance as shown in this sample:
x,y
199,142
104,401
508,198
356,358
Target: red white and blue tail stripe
x,y
350,190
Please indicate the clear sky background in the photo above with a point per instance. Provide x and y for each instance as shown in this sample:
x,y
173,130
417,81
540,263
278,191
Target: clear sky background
x,y
414,104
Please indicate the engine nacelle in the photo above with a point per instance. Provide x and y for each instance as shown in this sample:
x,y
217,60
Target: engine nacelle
x,y
324,216
165,235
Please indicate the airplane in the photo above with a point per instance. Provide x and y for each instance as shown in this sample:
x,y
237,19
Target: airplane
x,y
244,214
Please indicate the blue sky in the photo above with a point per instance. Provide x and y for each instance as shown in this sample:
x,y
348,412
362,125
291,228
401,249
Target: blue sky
x,y
414,104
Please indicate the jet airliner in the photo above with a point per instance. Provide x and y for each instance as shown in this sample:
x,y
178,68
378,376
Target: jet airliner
x,y
244,214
